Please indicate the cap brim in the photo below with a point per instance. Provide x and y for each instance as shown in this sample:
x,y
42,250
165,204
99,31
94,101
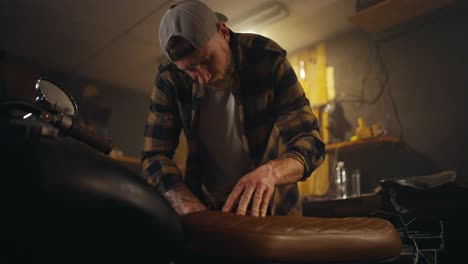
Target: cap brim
x,y
221,17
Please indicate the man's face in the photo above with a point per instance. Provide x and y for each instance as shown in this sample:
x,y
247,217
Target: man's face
x,y
209,63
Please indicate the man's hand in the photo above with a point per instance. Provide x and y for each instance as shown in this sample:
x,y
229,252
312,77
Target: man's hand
x,y
257,187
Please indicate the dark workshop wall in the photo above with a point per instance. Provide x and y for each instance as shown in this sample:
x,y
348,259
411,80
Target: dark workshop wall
x,y
125,109
426,65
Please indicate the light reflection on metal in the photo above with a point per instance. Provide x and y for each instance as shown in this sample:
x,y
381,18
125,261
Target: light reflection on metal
x,y
27,115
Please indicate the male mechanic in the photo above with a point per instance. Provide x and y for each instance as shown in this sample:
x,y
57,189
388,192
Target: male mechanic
x,y
250,130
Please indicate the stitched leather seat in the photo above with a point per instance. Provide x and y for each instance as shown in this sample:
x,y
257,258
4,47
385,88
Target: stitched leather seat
x,y
291,239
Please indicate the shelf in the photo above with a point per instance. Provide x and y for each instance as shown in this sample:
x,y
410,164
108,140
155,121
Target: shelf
x,y
127,159
389,13
361,142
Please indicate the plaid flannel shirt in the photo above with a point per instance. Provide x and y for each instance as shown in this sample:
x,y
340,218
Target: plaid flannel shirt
x,y
275,115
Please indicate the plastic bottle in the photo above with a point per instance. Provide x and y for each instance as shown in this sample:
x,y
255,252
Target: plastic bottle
x,y
341,180
355,184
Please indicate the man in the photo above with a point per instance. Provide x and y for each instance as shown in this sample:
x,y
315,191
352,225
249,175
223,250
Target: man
x,y
250,130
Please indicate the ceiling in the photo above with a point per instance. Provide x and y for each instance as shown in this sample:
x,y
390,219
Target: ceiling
x,y
116,41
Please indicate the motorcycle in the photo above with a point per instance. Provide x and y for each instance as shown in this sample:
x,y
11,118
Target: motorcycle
x,y
68,201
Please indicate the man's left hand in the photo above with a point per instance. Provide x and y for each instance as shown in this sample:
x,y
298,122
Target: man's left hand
x,y
257,188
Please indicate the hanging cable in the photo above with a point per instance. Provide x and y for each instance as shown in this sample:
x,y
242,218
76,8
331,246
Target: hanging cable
x,y
384,82
384,86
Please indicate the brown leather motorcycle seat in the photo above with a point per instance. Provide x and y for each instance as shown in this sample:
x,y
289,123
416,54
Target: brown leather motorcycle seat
x,y
291,239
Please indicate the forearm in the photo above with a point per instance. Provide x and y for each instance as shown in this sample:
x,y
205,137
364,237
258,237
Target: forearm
x,y
168,182
308,150
285,170
161,138
302,137
183,200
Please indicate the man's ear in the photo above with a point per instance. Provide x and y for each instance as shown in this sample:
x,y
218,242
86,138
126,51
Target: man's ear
x,y
224,30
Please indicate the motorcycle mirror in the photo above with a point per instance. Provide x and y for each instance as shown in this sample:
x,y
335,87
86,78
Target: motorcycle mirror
x,y
54,98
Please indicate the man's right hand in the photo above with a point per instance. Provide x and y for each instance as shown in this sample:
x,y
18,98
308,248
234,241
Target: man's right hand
x,y
183,200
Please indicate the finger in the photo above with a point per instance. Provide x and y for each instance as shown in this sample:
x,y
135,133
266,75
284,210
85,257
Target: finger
x,y
233,196
266,201
245,199
257,200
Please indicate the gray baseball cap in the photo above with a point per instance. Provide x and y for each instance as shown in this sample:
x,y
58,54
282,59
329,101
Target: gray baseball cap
x,y
191,20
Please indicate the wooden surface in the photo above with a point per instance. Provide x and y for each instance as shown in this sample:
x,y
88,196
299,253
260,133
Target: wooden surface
x,y
361,142
127,159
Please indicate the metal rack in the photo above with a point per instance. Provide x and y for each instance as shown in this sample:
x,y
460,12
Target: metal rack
x,y
423,238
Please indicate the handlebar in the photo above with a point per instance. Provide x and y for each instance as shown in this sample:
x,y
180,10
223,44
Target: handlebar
x,y
20,105
84,134
64,123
